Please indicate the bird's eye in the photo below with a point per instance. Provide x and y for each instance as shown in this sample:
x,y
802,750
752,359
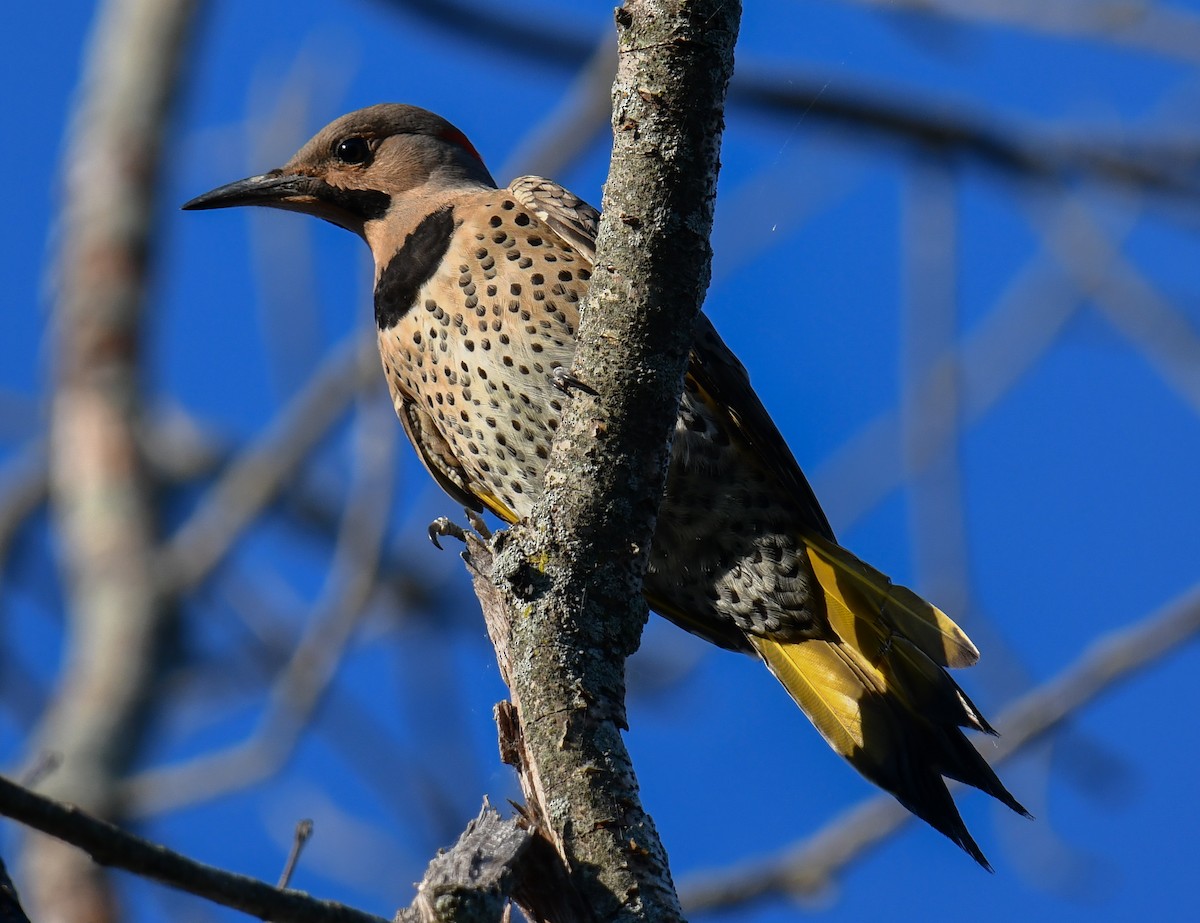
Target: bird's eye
x,y
353,150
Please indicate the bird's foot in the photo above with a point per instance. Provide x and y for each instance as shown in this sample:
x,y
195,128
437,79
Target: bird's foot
x,y
562,379
444,526
479,525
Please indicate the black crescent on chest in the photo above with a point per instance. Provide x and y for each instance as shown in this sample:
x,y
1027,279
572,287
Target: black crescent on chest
x,y
412,266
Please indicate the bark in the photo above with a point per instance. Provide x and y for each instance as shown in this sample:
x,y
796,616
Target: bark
x,y
568,580
471,882
103,497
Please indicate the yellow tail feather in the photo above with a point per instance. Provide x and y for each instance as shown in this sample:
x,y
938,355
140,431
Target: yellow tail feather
x,y
823,684
875,688
843,576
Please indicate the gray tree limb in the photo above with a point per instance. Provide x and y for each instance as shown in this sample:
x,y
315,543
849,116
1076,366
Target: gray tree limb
x,y
110,846
563,596
102,491
469,883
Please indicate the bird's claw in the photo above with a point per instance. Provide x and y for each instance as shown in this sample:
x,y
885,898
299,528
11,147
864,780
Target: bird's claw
x,y
564,381
443,526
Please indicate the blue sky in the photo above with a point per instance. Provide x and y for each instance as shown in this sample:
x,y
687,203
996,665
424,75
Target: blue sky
x,y
1078,491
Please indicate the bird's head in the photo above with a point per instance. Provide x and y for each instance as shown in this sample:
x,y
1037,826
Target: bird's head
x,y
355,168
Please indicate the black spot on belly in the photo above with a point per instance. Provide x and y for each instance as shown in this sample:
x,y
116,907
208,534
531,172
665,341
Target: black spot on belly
x,y
412,266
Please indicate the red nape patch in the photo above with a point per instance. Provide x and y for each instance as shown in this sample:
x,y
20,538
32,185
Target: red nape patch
x,y
454,136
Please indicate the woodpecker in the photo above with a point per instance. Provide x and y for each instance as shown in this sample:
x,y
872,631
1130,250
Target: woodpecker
x,y
477,295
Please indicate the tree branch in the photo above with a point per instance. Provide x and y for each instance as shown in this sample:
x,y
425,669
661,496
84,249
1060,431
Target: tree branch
x,y
1140,25
110,846
564,601
101,486
471,882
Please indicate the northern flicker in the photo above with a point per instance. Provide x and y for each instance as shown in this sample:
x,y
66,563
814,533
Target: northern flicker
x,y
477,293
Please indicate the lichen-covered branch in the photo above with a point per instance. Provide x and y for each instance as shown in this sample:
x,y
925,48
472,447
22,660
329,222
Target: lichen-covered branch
x,y
569,578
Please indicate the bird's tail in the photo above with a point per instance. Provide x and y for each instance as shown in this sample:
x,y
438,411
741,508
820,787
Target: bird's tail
x,y
879,694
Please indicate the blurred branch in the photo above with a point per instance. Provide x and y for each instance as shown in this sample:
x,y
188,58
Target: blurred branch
x,y
501,29
172,446
930,398
1168,165
24,485
1124,295
256,478
301,685
10,904
282,252
180,449
989,360
1141,25
102,490
575,124
112,847
814,865
931,413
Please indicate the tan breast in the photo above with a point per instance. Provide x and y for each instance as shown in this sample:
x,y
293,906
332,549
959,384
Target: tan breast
x,y
477,349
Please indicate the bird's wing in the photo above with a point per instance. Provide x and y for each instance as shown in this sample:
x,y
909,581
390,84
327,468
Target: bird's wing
x,y
438,459
565,213
713,369
724,385
717,378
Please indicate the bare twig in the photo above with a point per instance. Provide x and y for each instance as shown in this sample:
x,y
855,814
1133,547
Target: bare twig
x,y
470,882
815,864
112,847
304,829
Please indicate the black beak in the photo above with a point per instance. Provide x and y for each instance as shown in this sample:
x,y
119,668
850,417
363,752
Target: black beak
x,y
275,189
296,192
